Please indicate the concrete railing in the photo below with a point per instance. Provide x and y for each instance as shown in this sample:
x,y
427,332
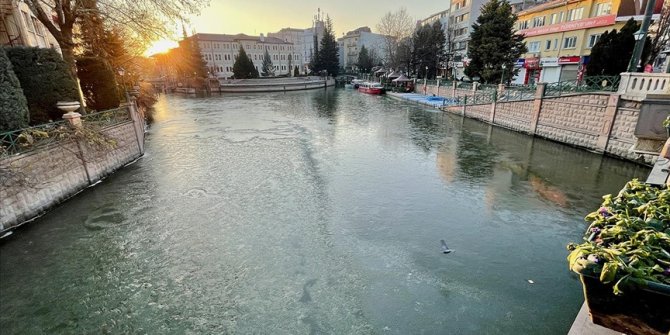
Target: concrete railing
x,y
638,85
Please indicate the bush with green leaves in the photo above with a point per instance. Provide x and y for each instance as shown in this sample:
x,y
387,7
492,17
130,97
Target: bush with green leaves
x,y
13,106
45,80
628,241
98,83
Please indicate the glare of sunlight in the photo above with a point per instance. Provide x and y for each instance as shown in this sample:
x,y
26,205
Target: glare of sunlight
x,y
160,46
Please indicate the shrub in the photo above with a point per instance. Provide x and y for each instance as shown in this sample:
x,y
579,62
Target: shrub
x,y
98,84
13,106
45,80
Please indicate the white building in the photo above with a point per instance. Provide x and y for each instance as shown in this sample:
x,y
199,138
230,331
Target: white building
x,y
351,43
221,50
19,26
305,41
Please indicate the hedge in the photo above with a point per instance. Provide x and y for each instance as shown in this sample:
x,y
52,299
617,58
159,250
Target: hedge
x,y
98,84
45,80
13,105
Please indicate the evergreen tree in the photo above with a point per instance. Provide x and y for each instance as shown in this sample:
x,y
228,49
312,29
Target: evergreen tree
x,y
290,65
429,50
45,80
493,43
267,69
13,105
244,68
327,57
365,62
611,54
296,71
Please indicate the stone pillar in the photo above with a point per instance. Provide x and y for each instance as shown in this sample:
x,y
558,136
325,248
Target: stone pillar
x,y
501,89
492,115
73,118
438,88
138,124
608,121
453,89
474,87
537,107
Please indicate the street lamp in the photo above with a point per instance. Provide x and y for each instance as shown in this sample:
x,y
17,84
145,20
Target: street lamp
x,y
640,37
502,76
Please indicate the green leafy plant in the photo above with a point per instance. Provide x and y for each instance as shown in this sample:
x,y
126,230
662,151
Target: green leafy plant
x,y
628,239
666,122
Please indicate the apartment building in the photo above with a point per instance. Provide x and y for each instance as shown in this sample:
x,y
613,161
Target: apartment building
x,y
19,26
463,14
221,50
559,35
351,43
305,41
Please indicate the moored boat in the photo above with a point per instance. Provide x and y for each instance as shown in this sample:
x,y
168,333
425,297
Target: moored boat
x,y
371,88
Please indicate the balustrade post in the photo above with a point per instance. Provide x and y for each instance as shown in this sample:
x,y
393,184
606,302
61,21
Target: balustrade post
x,y
73,118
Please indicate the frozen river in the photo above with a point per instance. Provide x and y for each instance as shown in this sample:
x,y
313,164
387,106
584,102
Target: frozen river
x,y
315,212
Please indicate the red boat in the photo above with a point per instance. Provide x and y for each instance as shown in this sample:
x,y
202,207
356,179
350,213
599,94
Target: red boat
x,y
371,88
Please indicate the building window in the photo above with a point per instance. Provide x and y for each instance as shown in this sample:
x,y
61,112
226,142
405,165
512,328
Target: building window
x,y
593,39
29,23
603,8
538,21
534,46
570,42
523,25
555,43
553,18
575,14
547,45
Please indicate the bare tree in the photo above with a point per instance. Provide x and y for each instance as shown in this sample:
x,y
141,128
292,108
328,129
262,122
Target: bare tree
x,y
661,31
395,26
148,19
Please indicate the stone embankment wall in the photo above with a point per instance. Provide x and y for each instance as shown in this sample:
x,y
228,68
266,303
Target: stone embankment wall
x,y
35,181
602,122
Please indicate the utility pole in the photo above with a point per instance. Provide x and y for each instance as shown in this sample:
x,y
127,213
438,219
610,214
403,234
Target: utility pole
x,y
641,36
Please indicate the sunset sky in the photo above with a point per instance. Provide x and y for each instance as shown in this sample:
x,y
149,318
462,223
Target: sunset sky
x,y
254,17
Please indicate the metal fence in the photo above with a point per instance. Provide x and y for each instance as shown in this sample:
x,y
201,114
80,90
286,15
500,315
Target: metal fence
x,y
27,139
108,117
587,84
516,93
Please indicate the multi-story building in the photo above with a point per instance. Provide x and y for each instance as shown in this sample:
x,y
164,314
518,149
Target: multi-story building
x,y
221,50
351,43
559,35
443,18
19,26
463,14
305,41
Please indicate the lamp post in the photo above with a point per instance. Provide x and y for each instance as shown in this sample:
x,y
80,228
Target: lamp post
x,y
122,73
640,37
502,76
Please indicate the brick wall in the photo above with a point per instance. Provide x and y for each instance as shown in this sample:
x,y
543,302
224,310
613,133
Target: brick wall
x,y
514,115
621,137
575,119
35,181
479,112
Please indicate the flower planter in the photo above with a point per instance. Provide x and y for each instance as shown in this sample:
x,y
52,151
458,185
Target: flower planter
x,y
624,261
644,310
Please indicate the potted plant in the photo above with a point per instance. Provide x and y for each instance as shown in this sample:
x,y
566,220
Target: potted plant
x,y
624,262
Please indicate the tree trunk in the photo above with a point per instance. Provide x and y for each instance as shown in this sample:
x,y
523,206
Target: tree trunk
x,y
68,57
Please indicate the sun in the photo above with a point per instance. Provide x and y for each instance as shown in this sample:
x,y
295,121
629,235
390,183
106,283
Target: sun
x,y
160,46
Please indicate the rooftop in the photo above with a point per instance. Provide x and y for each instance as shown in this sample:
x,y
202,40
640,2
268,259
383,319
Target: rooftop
x,y
237,37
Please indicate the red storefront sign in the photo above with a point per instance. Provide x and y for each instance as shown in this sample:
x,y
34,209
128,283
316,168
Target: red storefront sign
x,y
569,60
532,63
599,21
